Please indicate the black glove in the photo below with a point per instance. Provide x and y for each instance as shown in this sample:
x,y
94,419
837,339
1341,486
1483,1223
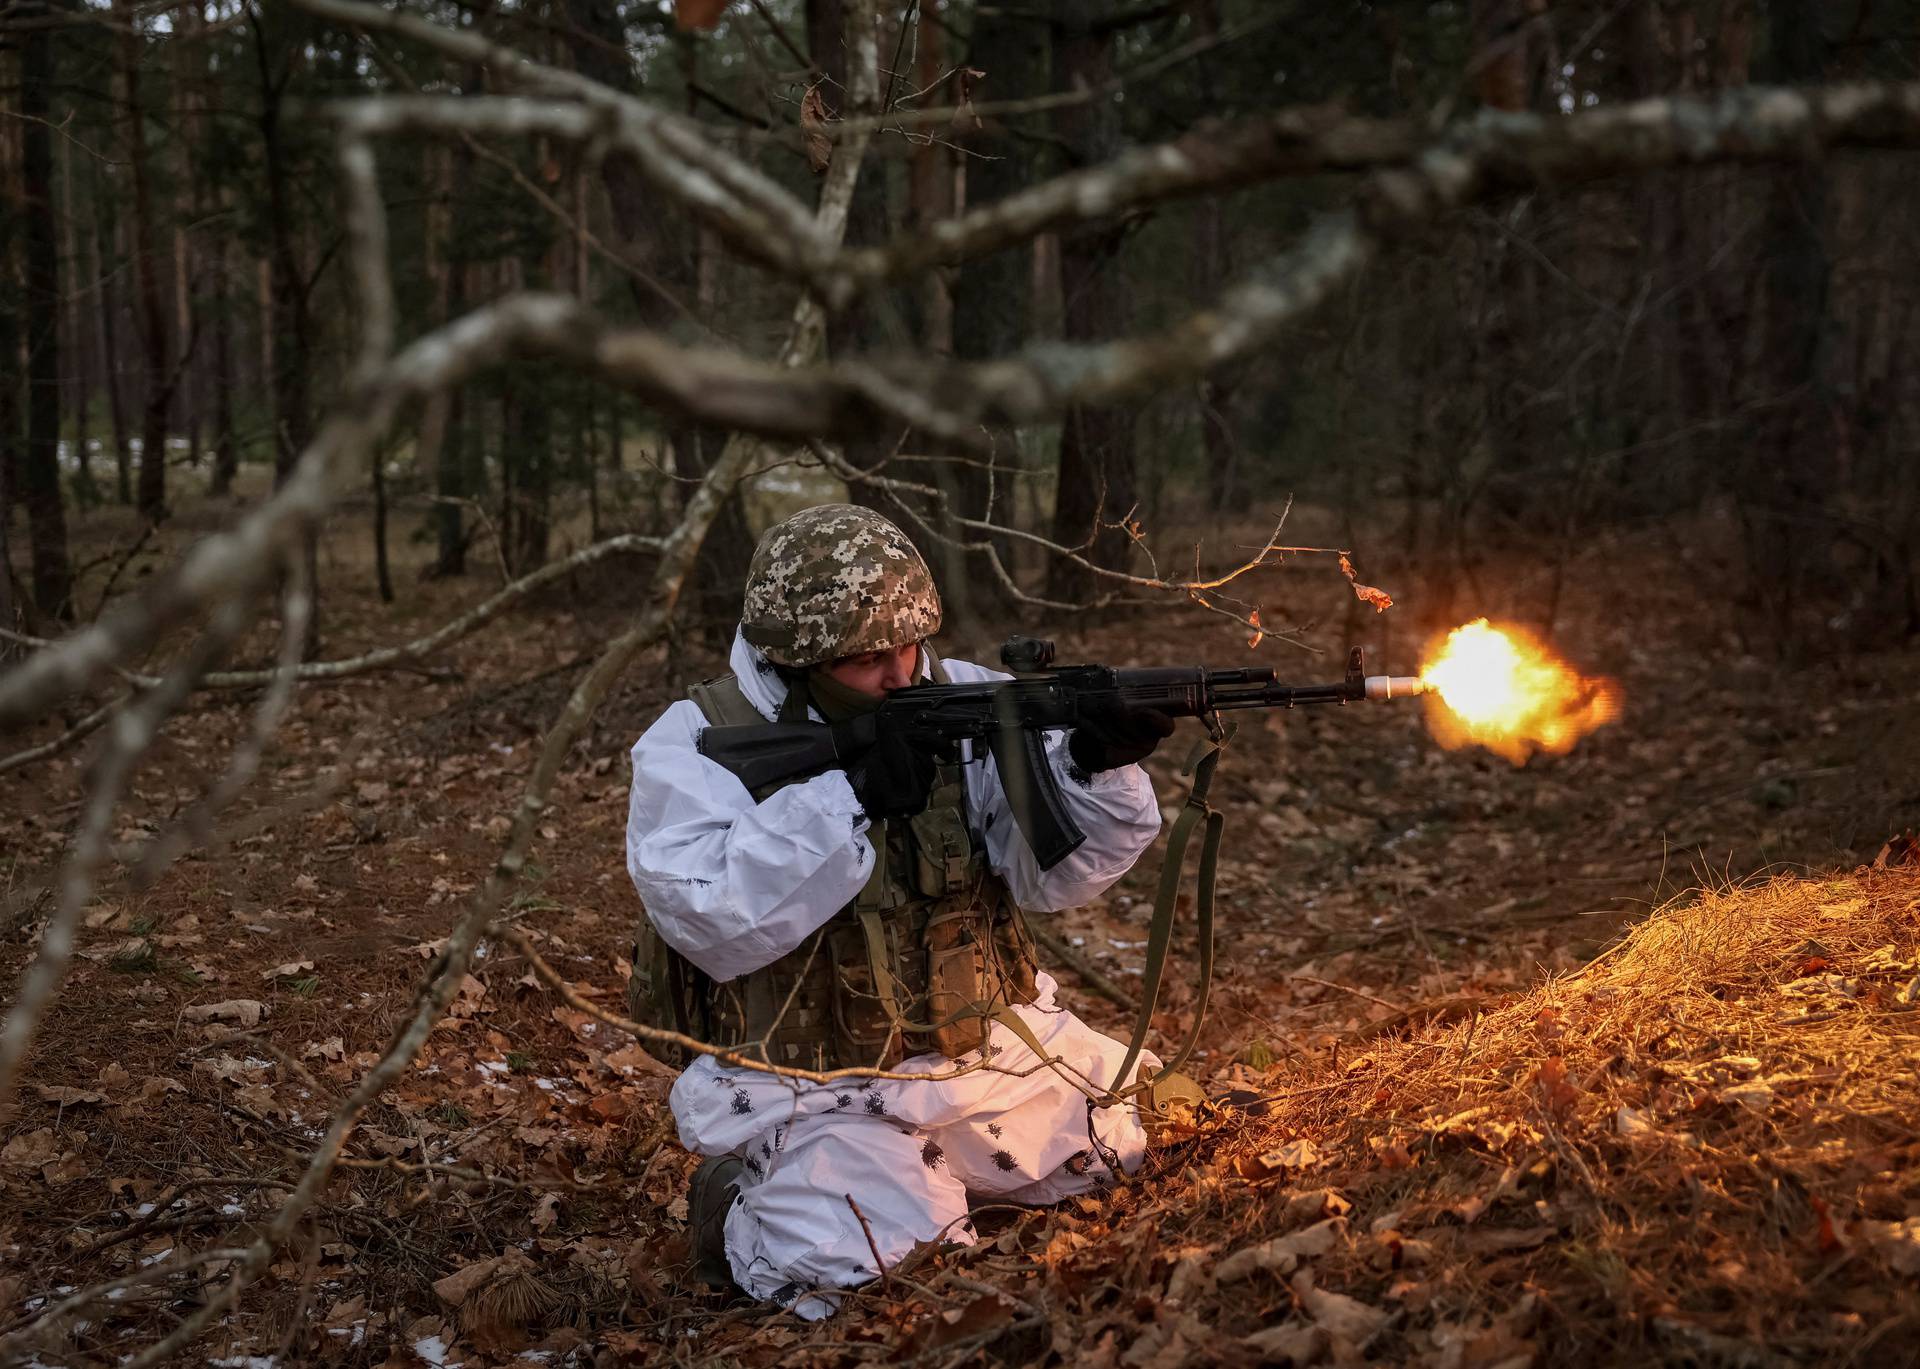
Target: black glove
x,y
892,779
1117,734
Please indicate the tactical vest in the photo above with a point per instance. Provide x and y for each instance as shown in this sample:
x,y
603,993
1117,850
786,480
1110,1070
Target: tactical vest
x,y
929,952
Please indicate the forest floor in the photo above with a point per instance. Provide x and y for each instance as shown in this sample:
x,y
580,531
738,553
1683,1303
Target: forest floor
x,y
1530,1096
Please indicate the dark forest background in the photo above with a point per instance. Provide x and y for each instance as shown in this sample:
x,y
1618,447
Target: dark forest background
x,y
175,312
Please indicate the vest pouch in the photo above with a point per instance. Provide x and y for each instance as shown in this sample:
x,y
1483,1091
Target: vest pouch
x,y
958,985
661,992
867,1013
943,858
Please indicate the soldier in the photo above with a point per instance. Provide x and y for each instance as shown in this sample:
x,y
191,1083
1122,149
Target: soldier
x,y
867,917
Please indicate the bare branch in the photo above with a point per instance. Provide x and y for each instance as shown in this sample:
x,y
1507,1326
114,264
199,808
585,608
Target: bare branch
x,y
747,208
134,730
196,825
1201,590
1211,157
81,730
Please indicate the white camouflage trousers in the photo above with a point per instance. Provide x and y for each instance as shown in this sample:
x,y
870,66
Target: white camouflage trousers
x,y
908,1153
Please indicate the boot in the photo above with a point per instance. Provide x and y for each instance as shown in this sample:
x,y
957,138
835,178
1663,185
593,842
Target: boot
x,y
708,1201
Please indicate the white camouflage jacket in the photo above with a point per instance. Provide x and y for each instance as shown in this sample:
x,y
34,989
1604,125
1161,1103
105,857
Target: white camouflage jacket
x,y
734,885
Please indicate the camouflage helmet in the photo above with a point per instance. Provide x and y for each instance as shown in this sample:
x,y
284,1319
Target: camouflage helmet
x,y
836,580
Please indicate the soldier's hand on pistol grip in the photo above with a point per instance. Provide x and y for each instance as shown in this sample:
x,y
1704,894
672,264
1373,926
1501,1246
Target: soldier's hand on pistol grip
x,y
892,778
1116,734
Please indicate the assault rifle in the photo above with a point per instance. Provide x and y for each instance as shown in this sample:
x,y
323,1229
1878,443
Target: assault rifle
x,y
1011,717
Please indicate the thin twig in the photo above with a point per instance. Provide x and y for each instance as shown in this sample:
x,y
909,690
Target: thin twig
x,y
880,1265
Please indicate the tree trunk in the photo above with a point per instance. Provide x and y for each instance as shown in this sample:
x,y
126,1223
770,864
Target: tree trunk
x,y
992,295
11,378
288,322
451,462
226,446
451,170
874,320
75,332
1789,469
664,247
107,309
1095,490
152,497
1211,265
9,615
40,479
1659,47
383,575
930,199
189,207
529,436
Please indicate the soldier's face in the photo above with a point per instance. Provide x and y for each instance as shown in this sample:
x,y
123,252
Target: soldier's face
x,y
876,673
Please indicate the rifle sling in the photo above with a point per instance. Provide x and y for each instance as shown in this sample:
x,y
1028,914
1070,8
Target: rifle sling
x,y
1200,765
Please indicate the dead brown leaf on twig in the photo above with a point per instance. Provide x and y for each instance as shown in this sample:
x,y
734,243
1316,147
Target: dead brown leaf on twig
x,y
964,115
698,14
813,125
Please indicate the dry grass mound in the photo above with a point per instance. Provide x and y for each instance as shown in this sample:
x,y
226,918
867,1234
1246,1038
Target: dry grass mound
x,y
1700,1148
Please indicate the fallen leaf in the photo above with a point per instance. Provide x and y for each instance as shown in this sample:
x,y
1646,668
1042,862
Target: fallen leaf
x,y
455,1287
67,1096
1492,1240
1189,1272
471,998
113,1076
260,1098
228,1068
1756,1095
246,1011
331,1049
29,1150
66,1169
1299,1153
546,1212
1898,1243
1283,1254
1628,1122
1390,1154
1344,1318
636,1059
1315,1204
156,1086
288,970
977,1319
1294,1342
610,1107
